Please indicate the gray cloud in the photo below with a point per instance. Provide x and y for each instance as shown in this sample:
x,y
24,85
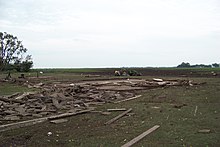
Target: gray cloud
x,y
111,32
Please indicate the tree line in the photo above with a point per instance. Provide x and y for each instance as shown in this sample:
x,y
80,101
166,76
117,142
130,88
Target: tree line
x,y
187,65
13,54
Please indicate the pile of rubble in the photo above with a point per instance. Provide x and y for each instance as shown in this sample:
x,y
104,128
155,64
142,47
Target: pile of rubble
x,y
60,98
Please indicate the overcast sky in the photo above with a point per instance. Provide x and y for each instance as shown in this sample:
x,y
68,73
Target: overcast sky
x,y
115,33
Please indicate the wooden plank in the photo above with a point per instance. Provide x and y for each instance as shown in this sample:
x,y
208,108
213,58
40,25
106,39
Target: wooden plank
x,y
157,80
69,114
204,131
117,117
132,98
36,121
117,109
141,136
58,121
21,124
195,110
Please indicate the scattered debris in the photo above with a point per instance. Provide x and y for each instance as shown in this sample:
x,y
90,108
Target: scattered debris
x,y
125,72
214,73
128,99
179,106
117,109
155,107
130,114
117,117
141,136
195,110
21,124
157,80
204,131
69,98
10,100
49,133
38,120
11,117
68,114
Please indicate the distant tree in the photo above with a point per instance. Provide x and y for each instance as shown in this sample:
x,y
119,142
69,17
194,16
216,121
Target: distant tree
x,y
201,66
23,66
12,53
216,65
184,65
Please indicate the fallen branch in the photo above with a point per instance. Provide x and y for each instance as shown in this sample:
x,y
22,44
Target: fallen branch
x,y
141,136
117,117
128,99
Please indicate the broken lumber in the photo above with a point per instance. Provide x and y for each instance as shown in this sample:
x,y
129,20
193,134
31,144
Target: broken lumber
x,y
21,124
195,110
58,121
117,117
157,80
128,99
38,120
10,100
68,114
204,131
14,95
117,109
141,136
56,103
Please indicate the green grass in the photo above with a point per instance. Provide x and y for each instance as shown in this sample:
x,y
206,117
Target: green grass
x,y
178,126
8,89
69,70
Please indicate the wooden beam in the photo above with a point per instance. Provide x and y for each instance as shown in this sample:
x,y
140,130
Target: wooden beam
x,y
117,109
117,117
38,120
141,136
68,114
22,124
132,98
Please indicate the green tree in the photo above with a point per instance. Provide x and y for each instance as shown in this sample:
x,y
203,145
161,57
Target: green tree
x,y
23,66
216,65
11,51
184,65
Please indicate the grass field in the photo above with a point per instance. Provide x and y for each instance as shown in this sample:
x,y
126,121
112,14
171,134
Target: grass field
x,y
173,108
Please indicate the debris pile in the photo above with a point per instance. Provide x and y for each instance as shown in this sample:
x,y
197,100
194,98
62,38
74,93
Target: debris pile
x,y
125,72
73,97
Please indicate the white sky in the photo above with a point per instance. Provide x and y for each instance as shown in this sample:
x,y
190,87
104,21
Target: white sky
x,y
115,33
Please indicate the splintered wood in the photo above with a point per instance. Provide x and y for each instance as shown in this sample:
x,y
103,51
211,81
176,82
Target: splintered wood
x,y
132,98
117,117
141,136
38,120
59,98
117,109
